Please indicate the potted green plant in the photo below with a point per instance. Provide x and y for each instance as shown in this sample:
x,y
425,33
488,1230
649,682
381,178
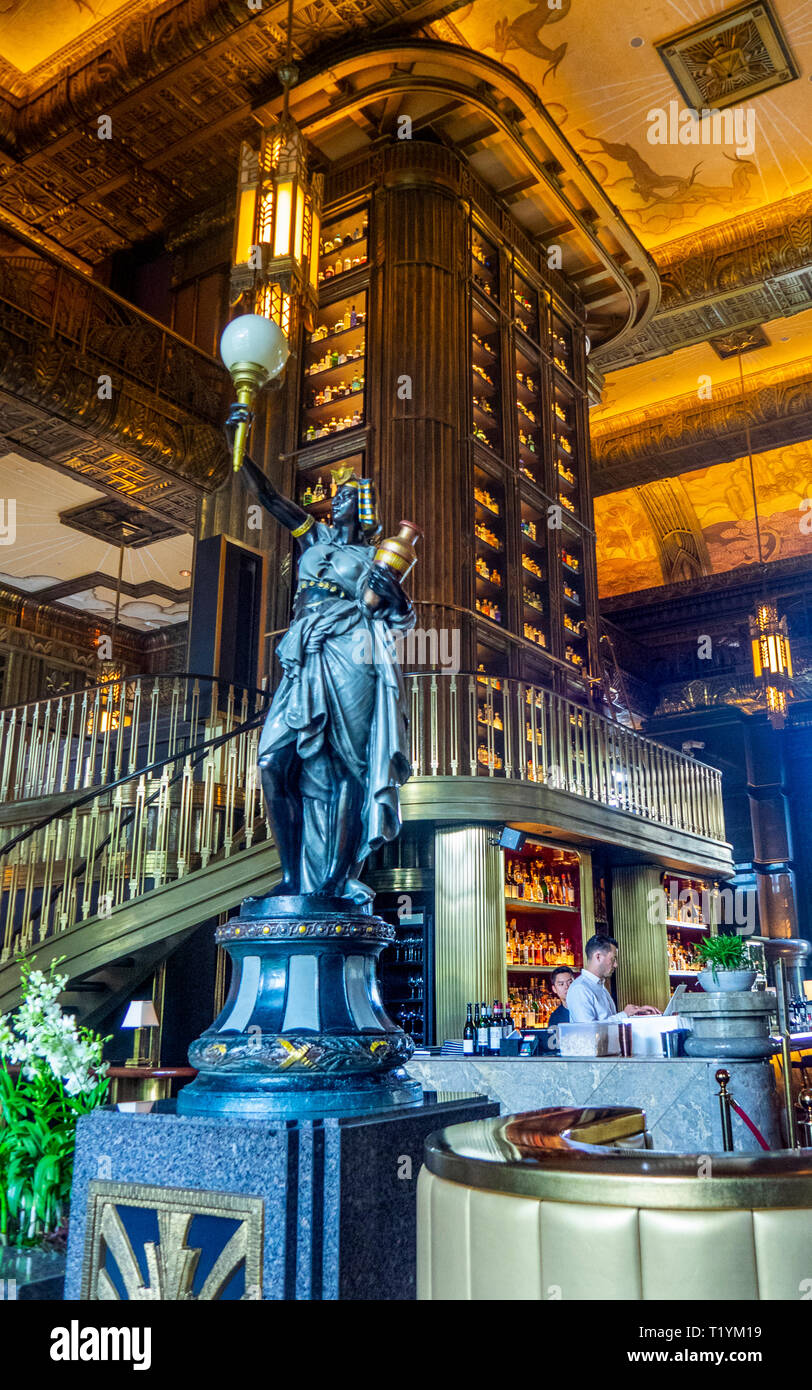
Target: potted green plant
x,y
725,965
51,1073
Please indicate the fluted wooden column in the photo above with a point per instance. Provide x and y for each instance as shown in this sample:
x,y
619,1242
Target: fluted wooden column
x,y
642,938
469,923
421,390
587,896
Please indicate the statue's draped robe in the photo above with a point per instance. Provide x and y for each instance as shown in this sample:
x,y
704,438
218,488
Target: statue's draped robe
x,y
343,703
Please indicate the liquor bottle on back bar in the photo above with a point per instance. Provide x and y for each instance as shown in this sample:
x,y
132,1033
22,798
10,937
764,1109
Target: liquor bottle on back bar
x,y
468,1036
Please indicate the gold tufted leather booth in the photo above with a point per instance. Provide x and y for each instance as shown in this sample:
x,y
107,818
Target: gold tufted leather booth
x,y
504,1216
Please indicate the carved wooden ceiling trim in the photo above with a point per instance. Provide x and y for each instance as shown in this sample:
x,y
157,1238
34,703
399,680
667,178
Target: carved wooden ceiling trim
x,y
684,433
179,86
755,268
92,384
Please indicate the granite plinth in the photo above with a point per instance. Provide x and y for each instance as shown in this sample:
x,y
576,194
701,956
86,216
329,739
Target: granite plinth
x,y
340,1193
680,1095
31,1274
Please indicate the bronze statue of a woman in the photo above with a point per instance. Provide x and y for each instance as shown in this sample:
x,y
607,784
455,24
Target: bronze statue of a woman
x,y
333,751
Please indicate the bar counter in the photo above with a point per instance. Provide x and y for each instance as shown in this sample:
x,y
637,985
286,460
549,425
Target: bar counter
x,y
678,1094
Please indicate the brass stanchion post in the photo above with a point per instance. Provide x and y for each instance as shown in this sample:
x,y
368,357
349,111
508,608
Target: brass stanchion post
x,y
786,1051
723,1076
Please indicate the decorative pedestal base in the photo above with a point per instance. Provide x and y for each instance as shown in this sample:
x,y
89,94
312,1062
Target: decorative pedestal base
x,y
303,1031
732,1023
339,1196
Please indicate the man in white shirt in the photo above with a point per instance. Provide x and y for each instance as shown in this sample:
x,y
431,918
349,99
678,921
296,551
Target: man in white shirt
x,y
588,998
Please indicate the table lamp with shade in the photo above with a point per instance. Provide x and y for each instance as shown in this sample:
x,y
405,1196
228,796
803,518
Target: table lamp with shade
x,y
255,351
140,1015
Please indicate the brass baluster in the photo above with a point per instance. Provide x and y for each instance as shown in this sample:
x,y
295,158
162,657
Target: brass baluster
x,y
29,765
473,732
53,741
251,785
231,795
91,836
185,819
434,733
507,729
137,841
10,871
66,917
22,750
7,746
453,725
564,745
49,864
527,717
28,863
174,714
119,759
490,739
415,725
89,758
207,819
135,726
64,776
194,718
161,853
152,730
107,729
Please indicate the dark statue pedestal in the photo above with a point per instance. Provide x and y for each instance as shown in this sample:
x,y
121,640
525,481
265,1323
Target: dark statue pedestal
x,y
303,1032
339,1194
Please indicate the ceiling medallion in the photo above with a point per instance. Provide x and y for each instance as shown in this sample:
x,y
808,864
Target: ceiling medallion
x,y
118,523
741,340
728,59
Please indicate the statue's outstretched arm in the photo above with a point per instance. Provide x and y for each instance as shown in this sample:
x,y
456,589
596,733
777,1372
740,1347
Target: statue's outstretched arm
x,y
287,512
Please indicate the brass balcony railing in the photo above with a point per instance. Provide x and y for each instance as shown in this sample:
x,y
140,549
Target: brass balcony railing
x,y
484,726
90,738
116,843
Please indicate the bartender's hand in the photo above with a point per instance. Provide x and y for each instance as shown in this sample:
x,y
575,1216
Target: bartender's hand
x,y
632,1009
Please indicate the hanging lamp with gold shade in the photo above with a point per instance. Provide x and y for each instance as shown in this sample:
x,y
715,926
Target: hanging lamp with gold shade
x,y
772,659
276,251
278,223
769,639
274,275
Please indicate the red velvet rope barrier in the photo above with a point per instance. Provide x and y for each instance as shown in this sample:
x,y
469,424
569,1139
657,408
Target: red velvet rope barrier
x,y
758,1136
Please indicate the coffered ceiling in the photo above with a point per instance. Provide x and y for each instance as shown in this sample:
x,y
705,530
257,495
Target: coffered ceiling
x,y
61,541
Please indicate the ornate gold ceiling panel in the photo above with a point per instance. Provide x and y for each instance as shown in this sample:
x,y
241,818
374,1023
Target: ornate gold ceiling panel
x,y
755,268
685,432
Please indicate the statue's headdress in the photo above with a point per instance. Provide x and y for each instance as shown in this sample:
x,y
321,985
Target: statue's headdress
x,y
368,514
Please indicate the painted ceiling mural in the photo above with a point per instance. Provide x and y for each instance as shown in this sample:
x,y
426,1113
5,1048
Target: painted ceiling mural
x,y
620,102
703,522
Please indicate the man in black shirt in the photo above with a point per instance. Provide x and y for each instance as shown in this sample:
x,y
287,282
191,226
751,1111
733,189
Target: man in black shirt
x,y
560,981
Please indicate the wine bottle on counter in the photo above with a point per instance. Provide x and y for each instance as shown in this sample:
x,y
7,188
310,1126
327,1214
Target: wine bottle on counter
x,y
495,1029
468,1037
483,1031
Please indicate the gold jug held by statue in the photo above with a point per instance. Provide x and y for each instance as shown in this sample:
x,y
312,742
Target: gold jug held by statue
x,y
397,555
